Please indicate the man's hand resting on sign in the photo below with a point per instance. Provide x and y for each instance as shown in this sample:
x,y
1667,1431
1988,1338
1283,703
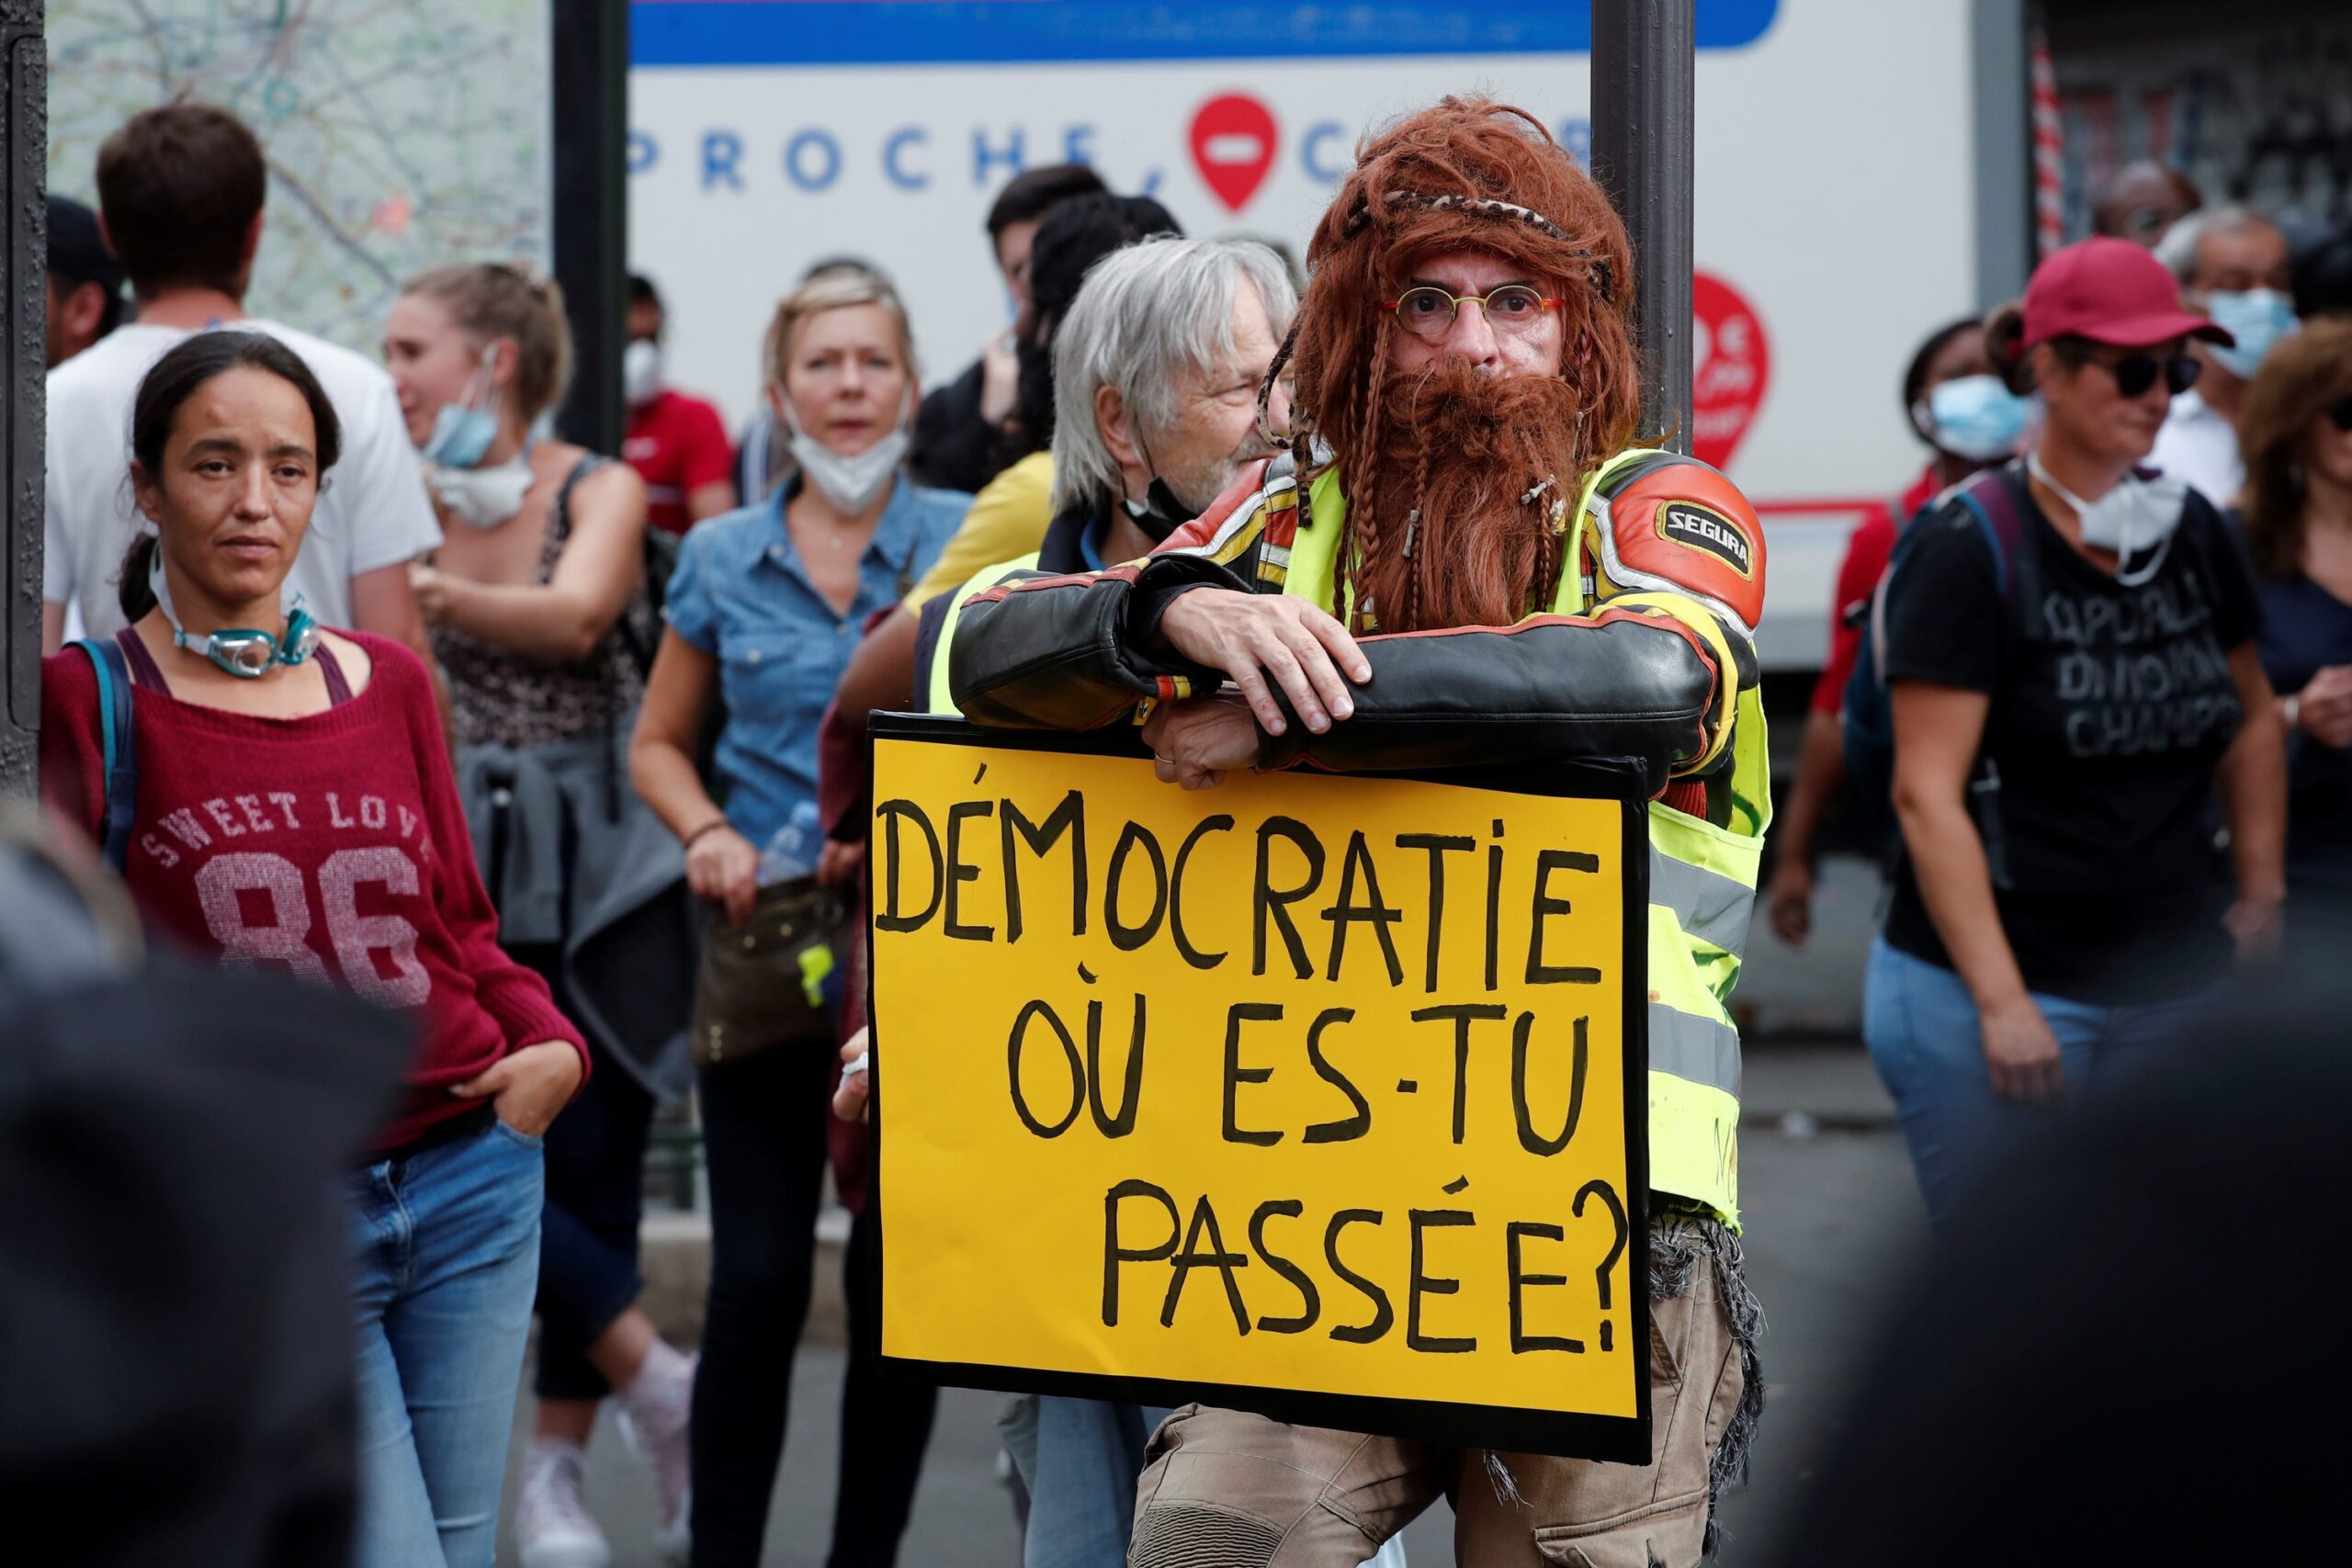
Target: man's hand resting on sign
x,y
1257,637
1196,743
853,1094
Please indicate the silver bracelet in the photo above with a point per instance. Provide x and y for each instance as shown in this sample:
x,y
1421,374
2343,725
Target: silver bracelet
x,y
2291,707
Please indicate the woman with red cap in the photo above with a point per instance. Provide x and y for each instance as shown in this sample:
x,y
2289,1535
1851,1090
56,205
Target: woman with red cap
x,y
2069,647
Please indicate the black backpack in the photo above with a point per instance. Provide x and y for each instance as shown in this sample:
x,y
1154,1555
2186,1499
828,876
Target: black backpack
x,y
1994,501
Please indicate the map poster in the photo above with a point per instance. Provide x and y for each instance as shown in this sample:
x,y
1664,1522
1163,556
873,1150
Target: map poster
x,y
1315,1094
400,134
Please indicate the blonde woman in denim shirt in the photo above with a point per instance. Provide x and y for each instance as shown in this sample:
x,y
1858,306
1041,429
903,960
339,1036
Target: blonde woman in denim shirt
x,y
767,608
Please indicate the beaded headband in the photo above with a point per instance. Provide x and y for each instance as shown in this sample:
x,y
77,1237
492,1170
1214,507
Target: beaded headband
x,y
1487,206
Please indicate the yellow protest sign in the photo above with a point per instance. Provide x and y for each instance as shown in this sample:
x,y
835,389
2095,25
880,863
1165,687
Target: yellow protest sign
x,y
1316,1095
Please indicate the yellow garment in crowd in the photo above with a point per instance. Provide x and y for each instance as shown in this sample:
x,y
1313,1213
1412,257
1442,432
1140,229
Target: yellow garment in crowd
x,y
1008,518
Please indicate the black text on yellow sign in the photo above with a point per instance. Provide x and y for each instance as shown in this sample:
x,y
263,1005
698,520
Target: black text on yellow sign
x,y
1320,1096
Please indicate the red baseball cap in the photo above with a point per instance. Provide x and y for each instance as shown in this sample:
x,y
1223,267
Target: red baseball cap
x,y
2111,291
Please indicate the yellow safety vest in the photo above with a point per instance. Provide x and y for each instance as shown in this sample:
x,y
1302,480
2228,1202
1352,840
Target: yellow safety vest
x,y
1702,881
935,697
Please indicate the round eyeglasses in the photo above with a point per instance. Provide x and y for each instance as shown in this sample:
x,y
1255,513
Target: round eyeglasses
x,y
1427,312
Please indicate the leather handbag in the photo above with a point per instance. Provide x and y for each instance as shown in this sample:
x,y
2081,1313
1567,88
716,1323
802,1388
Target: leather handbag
x,y
764,983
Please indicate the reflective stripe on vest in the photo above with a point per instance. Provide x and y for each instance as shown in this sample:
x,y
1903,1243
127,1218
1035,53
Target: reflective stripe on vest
x,y
936,698
1702,888
1713,905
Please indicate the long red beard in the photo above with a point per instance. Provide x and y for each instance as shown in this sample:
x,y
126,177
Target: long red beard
x,y
1461,449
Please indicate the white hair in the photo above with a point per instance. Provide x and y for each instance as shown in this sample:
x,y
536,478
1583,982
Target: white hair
x,y
1146,314
2178,248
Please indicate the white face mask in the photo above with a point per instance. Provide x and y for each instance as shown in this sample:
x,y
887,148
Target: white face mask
x,y
640,372
2138,514
849,483
484,498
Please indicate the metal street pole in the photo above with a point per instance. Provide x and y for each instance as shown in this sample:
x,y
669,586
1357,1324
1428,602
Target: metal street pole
x,y
2004,149
590,61
24,269
1642,69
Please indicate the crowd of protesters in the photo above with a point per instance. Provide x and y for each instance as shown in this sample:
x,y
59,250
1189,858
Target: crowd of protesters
x,y
559,751
560,783
2089,692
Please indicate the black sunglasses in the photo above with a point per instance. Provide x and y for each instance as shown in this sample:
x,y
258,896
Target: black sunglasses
x,y
2340,412
2135,374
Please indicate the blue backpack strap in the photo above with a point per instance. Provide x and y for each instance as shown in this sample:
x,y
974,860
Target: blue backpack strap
x,y
119,746
1992,496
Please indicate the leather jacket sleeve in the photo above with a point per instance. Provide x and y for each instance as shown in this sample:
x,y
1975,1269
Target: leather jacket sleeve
x,y
1079,652
1652,670
1619,683
1076,653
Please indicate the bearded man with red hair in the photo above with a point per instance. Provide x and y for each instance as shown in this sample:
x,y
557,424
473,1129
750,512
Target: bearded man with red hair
x,y
1463,559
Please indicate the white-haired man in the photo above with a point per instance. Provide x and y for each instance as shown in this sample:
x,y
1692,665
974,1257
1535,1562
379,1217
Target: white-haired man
x,y
2232,263
1156,376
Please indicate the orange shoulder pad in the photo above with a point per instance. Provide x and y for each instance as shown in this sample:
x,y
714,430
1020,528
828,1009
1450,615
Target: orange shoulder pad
x,y
1683,527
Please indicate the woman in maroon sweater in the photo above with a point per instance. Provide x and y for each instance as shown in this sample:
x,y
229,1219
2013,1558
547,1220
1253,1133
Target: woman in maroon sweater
x,y
294,811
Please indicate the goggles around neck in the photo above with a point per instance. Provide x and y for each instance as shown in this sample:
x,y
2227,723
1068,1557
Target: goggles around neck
x,y
246,652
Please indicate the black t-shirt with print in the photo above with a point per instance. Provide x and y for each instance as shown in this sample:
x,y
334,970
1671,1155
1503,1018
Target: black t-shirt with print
x,y
2104,730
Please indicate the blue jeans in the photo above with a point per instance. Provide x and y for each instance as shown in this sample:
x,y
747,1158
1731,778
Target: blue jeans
x,y
1078,1457
1927,1043
445,1257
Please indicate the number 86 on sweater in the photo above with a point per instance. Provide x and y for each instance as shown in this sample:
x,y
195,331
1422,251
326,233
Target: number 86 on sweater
x,y
376,953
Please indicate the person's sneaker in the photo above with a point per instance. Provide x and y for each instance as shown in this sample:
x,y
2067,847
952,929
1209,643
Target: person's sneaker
x,y
654,1420
552,1527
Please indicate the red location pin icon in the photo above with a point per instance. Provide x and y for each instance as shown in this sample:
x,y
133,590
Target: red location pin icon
x,y
1233,146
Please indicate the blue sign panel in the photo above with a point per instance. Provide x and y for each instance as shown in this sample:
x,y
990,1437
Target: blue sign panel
x,y
956,32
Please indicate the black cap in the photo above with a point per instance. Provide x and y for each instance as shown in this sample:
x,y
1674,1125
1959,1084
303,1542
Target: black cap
x,y
75,250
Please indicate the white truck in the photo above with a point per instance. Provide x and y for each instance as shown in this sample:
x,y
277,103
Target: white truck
x,y
1837,184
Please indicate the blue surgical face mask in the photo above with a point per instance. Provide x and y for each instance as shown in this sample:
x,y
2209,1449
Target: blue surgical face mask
x,y
463,430
1974,417
2257,317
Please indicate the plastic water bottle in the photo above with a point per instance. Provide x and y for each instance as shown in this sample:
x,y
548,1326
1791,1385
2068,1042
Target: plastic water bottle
x,y
792,851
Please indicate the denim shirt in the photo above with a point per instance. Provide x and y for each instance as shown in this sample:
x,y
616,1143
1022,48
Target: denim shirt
x,y
741,595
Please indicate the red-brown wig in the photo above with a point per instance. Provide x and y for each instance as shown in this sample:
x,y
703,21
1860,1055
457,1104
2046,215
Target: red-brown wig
x,y
1466,174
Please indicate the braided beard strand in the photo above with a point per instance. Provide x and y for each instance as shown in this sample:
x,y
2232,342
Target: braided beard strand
x,y
1437,532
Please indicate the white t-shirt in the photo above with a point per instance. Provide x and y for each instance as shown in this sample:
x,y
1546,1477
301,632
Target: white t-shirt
x,y
373,512
2200,446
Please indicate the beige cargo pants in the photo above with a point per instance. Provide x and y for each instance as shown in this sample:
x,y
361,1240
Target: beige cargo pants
x,y
1222,1489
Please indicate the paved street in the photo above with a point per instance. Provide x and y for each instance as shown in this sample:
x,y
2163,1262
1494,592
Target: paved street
x,y
1831,1211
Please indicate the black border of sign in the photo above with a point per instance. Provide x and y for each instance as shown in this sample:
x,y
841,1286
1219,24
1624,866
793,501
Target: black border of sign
x,y
1566,1434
